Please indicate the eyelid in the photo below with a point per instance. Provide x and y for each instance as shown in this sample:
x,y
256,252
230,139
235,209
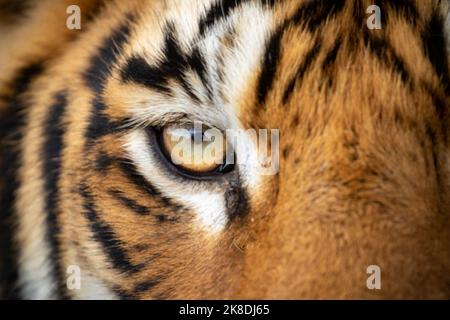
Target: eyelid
x,y
175,118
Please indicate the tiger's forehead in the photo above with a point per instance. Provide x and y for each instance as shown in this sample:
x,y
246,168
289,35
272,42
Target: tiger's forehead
x,y
231,63
196,58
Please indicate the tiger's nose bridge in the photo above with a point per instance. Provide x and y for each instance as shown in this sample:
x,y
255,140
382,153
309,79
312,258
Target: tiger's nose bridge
x,y
334,214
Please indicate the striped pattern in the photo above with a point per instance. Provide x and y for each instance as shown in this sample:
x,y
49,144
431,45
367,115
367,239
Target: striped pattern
x,y
138,232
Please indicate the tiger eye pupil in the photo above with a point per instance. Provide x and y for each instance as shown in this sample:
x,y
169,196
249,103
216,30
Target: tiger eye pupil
x,y
197,135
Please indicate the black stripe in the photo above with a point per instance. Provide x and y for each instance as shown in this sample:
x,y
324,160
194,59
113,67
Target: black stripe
x,y
137,70
176,62
104,234
406,8
312,15
316,12
103,162
11,11
329,62
95,77
129,203
386,54
51,169
440,105
174,66
11,126
435,49
434,135
236,199
403,8
123,294
220,10
100,124
96,9
310,57
146,285
21,83
359,16
102,63
130,171
269,65
331,56
197,62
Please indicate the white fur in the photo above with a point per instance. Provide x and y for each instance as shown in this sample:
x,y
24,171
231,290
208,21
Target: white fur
x,y
93,289
208,204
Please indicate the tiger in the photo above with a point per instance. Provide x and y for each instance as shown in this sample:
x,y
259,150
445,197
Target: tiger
x,y
93,205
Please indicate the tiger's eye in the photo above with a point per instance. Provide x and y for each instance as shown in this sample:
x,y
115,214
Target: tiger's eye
x,y
195,149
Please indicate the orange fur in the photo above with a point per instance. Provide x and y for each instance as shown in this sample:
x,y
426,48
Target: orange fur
x,y
364,172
